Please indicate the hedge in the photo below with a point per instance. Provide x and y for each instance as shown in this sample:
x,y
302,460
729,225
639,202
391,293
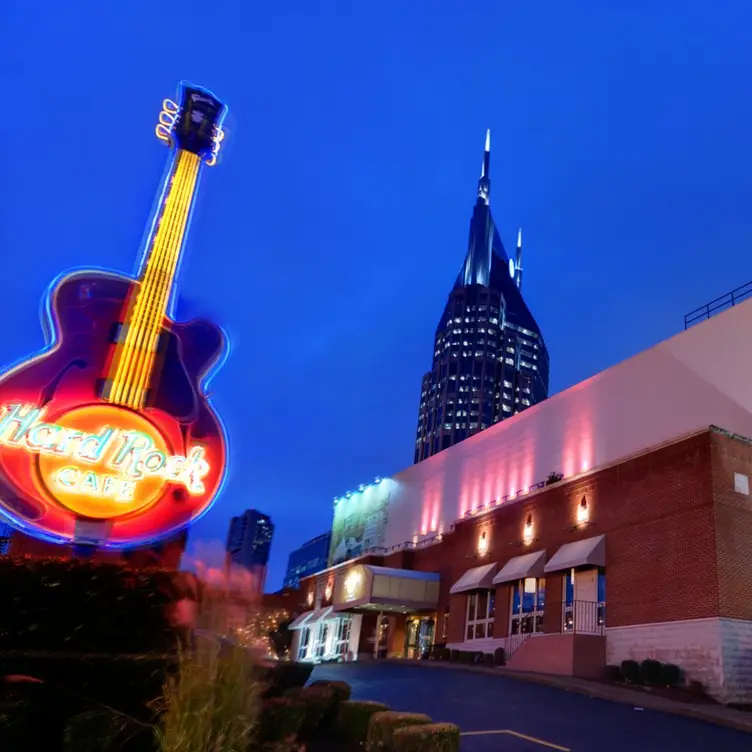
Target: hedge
x,y
431,737
316,702
281,718
383,725
354,718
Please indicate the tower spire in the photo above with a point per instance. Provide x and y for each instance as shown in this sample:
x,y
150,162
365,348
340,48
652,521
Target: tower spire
x,y
484,183
518,261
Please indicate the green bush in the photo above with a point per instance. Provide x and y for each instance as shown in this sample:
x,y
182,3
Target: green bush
x,y
630,670
84,605
342,690
96,730
283,676
671,675
432,737
316,701
650,672
499,657
488,659
281,719
353,719
383,725
613,673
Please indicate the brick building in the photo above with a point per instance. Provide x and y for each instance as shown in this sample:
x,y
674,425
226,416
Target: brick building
x,y
640,550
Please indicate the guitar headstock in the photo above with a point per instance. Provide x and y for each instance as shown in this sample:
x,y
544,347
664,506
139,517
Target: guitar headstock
x,y
195,124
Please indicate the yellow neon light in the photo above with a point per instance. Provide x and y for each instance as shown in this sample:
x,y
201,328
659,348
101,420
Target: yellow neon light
x,y
156,303
138,353
160,292
147,290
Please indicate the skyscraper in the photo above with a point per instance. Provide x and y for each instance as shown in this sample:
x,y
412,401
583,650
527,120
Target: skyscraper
x,y
249,540
5,534
489,357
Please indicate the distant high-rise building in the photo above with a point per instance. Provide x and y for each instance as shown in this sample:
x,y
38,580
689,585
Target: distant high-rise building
x,y
249,541
309,559
6,531
489,357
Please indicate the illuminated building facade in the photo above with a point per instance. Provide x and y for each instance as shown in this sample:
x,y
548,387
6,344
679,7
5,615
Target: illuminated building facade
x,y
482,549
310,558
490,361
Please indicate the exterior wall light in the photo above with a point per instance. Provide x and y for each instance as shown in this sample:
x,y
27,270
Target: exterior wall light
x,y
583,513
328,590
352,584
309,598
482,544
527,531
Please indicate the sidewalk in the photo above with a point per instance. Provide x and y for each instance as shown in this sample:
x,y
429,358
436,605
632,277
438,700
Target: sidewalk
x,y
718,714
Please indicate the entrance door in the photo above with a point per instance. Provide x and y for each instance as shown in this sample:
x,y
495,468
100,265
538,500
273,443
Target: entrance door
x,y
419,634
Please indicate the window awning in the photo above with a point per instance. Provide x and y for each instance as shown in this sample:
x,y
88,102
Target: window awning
x,y
320,614
477,578
300,621
589,552
520,567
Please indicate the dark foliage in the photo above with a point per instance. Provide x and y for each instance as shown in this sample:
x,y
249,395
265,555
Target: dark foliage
x,y
77,605
281,639
630,670
499,657
553,477
671,675
650,672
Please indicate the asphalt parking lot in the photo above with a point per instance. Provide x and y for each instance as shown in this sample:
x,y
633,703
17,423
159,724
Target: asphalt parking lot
x,y
500,714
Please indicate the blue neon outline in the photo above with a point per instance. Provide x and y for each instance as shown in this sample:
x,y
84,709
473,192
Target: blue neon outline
x,y
51,332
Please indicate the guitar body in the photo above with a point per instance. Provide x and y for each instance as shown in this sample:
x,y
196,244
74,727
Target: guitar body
x,y
83,315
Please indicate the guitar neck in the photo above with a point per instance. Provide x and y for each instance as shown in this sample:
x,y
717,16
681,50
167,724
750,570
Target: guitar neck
x,y
135,354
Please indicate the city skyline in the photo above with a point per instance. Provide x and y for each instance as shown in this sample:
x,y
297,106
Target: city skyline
x,y
329,235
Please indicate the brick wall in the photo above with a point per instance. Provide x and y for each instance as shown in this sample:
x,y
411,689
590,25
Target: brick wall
x,y
733,525
657,513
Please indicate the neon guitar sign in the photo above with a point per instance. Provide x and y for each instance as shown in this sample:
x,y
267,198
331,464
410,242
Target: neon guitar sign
x,y
110,429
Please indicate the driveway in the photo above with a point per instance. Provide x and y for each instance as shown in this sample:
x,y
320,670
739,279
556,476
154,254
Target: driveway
x,y
532,717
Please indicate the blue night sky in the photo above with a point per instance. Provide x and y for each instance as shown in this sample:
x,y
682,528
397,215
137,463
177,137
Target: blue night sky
x,y
328,238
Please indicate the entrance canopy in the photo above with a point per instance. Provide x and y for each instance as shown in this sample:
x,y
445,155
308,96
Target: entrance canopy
x,y
368,587
589,552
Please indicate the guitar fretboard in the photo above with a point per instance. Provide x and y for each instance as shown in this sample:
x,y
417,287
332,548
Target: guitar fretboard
x,y
136,350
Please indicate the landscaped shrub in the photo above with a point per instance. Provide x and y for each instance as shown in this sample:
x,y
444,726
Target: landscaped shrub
x,y
696,688
499,657
281,719
383,725
454,655
613,673
630,670
283,676
84,605
317,701
342,690
353,719
671,675
650,672
488,659
432,737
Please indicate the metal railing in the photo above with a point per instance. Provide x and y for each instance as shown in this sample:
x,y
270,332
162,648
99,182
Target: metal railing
x,y
730,299
584,617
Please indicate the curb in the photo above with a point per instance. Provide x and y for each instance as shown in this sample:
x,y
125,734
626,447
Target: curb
x,y
638,699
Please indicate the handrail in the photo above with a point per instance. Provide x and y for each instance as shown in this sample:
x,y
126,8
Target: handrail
x,y
730,299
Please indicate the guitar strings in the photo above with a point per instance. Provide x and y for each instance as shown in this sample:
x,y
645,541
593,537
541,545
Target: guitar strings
x,y
131,395
164,274
150,287
133,322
